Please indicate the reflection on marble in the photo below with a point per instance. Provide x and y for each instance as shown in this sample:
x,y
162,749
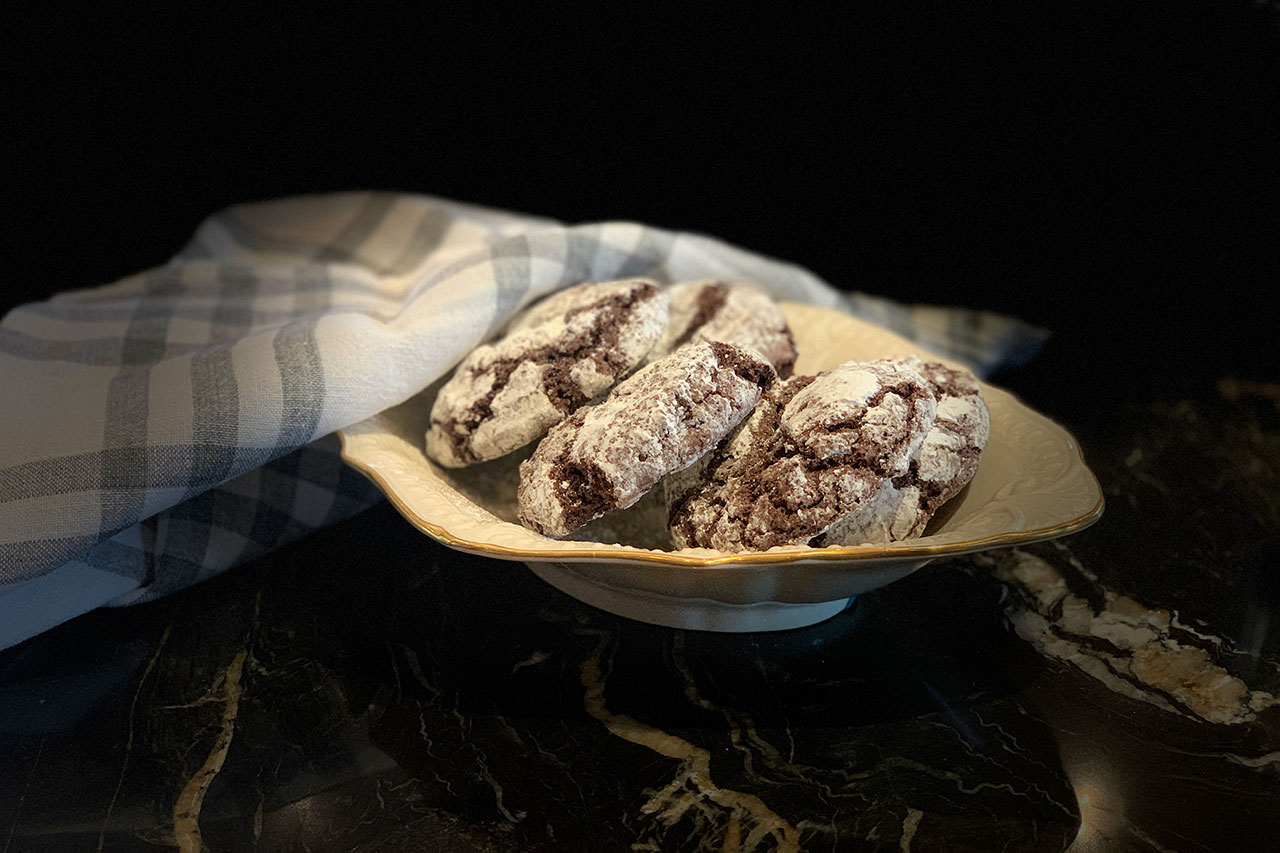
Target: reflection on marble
x,y
369,690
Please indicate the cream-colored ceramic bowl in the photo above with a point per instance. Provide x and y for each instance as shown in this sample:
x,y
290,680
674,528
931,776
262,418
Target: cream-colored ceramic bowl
x,y
1032,484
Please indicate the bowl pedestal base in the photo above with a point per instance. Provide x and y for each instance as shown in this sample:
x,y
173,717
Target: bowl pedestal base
x,y
693,614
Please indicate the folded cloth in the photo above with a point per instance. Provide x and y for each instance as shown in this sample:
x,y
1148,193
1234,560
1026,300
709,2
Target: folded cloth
x,y
161,429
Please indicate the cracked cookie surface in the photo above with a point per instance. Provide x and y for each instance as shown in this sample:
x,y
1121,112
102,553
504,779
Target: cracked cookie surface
x,y
560,354
662,419
815,450
732,312
947,461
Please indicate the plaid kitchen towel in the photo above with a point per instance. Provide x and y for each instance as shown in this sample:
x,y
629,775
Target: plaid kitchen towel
x,y
158,430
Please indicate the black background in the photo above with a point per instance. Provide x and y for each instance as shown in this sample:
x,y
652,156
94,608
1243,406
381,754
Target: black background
x,y
1109,171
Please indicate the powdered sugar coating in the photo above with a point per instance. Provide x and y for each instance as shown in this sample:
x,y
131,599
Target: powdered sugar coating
x,y
564,352
877,412
662,419
954,444
733,312
815,450
741,451
891,514
947,461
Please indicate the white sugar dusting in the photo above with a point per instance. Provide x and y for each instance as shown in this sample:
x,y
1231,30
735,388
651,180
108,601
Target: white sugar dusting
x,y
660,420
570,325
745,317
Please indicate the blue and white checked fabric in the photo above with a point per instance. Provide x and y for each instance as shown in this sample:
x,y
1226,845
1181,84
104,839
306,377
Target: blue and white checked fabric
x,y
159,430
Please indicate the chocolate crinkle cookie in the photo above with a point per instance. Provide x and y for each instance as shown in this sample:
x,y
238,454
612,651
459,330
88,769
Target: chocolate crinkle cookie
x,y
663,418
947,461
562,353
732,312
864,452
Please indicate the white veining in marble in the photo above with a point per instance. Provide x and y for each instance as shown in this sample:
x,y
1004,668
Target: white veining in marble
x,y
1141,658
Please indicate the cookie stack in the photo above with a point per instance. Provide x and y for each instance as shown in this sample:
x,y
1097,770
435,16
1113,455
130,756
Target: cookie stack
x,y
686,391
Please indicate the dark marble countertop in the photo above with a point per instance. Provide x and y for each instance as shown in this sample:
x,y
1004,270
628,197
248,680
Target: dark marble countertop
x,y
368,689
